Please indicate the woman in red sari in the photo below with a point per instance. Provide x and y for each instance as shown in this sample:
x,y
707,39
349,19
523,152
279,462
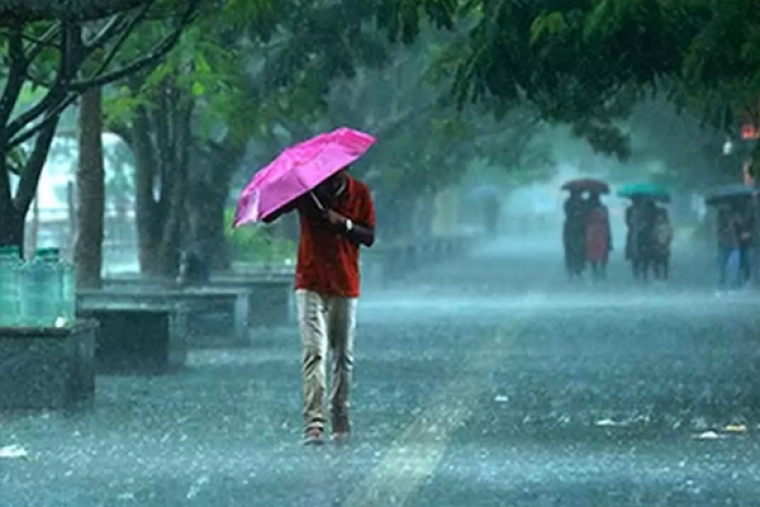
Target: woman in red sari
x,y
598,236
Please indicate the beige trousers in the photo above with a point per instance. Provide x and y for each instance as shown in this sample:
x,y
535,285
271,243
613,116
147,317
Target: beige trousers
x,y
326,322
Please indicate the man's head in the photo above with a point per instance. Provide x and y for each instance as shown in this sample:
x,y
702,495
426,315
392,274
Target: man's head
x,y
333,185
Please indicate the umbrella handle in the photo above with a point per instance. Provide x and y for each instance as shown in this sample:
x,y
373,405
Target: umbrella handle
x,y
319,204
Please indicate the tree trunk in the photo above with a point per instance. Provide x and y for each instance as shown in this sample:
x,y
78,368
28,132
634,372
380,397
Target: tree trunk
x,y
147,210
160,141
173,139
11,220
206,211
13,209
90,209
171,240
32,237
209,182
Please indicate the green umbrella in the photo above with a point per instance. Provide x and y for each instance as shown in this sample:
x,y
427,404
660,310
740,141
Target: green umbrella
x,y
650,190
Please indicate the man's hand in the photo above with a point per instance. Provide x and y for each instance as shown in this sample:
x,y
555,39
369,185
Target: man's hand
x,y
335,218
357,233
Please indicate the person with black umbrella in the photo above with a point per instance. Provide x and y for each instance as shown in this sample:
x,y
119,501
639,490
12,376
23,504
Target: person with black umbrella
x,y
737,230
574,234
574,229
729,233
747,238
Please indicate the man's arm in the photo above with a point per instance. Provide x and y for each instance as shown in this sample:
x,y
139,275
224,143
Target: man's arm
x,y
291,206
362,235
358,233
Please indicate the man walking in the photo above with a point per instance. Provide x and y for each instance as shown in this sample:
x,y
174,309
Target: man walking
x,y
336,219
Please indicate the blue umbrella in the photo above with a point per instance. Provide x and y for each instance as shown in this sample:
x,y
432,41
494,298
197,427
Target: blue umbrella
x,y
648,190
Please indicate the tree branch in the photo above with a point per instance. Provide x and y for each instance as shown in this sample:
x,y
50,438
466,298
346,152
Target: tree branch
x,y
153,58
14,83
64,10
52,116
56,91
109,30
75,50
43,42
27,187
11,91
120,41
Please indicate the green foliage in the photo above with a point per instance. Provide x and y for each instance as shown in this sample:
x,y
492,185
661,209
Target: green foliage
x,y
403,19
257,244
586,64
425,144
249,67
199,67
120,104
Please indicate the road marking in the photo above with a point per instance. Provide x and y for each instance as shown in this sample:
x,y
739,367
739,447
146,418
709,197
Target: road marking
x,y
414,456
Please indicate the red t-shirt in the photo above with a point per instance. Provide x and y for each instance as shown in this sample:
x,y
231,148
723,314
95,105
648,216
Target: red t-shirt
x,y
328,262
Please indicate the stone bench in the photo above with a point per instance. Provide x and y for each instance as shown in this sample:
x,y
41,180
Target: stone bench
x,y
272,298
271,301
217,316
136,337
220,316
47,368
135,280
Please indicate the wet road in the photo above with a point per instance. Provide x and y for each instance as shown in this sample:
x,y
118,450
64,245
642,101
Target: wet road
x,y
494,382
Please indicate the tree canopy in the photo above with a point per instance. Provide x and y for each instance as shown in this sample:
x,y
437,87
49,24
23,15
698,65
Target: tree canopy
x,y
199,88
587,63
64,48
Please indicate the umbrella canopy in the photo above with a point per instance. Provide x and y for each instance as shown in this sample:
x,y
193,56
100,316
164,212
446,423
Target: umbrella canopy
x,y
298,170
648,190
725,193
587,185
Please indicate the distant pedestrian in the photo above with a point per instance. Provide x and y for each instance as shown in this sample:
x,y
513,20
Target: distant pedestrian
x,y
663,238
747,231
598,236
640,218
574,234
729,253
335,220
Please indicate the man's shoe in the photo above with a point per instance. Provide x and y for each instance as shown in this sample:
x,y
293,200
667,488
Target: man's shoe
x,y
314,436
341,429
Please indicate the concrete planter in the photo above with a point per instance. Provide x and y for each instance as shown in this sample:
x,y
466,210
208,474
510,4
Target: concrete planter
x,y
137,337
47,368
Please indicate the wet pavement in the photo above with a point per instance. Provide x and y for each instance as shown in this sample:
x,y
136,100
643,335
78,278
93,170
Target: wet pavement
x,y
492,382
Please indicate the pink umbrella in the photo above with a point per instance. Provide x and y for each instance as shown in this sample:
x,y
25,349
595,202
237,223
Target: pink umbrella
x,y
298,170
